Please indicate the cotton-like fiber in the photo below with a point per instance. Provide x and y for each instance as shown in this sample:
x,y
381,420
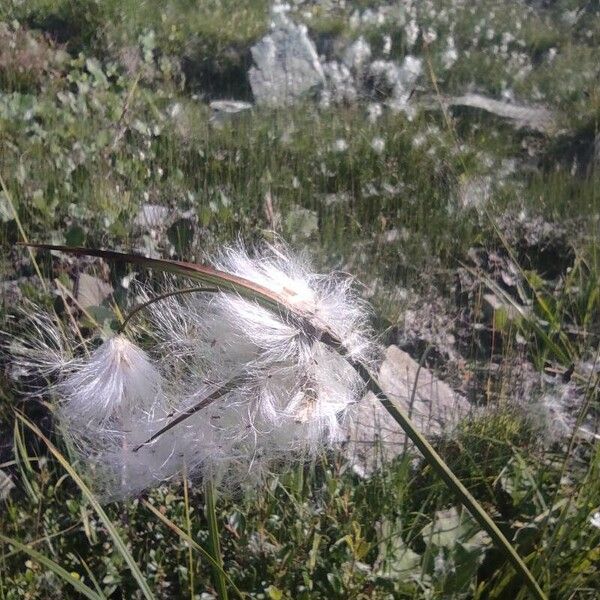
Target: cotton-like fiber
x,y
270,390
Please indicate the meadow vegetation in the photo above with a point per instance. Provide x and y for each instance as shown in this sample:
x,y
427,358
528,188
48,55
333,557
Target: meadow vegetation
x,y
473,238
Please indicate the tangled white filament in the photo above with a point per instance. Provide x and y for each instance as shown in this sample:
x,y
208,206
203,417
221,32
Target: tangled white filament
x,y
279,392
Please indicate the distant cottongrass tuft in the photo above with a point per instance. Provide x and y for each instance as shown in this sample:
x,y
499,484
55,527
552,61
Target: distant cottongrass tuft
x,y
270,390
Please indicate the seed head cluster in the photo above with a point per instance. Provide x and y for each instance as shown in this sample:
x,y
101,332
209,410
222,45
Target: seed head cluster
x,y
269,389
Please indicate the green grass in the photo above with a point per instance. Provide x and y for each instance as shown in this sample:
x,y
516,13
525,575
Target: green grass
x,y
84,143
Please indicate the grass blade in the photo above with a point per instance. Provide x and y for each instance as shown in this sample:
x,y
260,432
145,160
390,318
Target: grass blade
x,y
92,578
208,275
213,539
22,232
188,525
114,534
183,535
79,586
23,462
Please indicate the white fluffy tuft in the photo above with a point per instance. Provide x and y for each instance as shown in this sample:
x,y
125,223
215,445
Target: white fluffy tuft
x,y
110,386
288,393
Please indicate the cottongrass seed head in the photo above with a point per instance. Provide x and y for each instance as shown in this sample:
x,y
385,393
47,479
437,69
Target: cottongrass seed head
x,y
270,390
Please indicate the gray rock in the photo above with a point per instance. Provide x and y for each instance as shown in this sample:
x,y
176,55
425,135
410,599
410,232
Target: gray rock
x,y
11,289
287,66
536,118
92,291
375,438
230,107
223,110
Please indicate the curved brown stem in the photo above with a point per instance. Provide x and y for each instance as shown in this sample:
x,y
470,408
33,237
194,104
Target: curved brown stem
x,y
143,305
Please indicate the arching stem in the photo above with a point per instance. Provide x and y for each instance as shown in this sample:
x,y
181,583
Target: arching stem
x,y
160,297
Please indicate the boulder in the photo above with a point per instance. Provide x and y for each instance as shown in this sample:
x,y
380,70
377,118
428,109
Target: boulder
x,y
535,118
287,66
225,110
374,438
92,291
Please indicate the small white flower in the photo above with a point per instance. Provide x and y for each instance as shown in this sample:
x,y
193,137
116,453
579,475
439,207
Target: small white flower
x,y
378,145
419,140
387,45
595,519
115,381
357,55
174,110
340,145
374,111
430,36
411,31
450,55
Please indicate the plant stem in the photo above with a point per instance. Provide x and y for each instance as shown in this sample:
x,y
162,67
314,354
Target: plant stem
x,y
188,525
213,539
444,471
22,233
160,297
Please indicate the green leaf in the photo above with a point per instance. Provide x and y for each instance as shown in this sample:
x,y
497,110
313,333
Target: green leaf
x,y
274,593
453,526
75,236
95,68
397,559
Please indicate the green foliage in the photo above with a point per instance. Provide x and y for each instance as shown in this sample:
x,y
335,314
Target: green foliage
x,y
102,114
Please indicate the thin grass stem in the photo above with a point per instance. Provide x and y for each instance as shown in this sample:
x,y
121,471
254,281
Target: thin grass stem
x,y
213,539
158,298
188,525
22,232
